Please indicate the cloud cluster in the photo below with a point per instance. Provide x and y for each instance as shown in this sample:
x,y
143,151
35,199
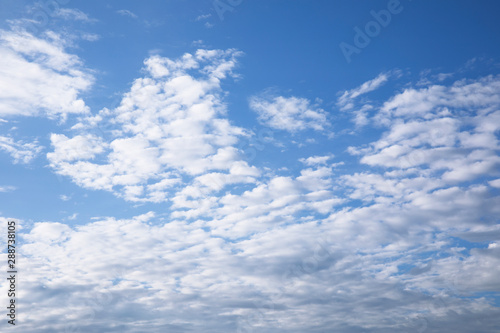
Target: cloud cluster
x,y
20,152
39,78
448,133
169,128
302,272
289,113
350,101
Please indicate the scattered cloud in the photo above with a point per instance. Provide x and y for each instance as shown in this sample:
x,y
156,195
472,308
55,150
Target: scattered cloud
x,y
169,127
21,152
405,235
346,100
361,116
7,188
203,17
73,15
290,250
289,113
430,136
72,217
90,37
39,78
470,95
198,43
316,160
126,12
65,197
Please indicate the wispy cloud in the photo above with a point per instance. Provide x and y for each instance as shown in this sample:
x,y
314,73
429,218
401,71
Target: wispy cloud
x,y
203,17
72,217
126,12
346,100
73,15
90,37
7,188
64,197
21,152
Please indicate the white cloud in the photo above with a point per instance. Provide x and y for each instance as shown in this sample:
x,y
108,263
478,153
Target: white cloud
x,y
7,188
126,12
270,204
65,197
346,101
431,135
361,115
90,37
73,15
21,152
434,101
295,252
495,183
169,128
38,77
300,265
315,160
203,17
77,148
289,113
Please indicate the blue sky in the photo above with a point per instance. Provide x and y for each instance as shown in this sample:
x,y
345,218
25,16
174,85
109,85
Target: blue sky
x,y
252,166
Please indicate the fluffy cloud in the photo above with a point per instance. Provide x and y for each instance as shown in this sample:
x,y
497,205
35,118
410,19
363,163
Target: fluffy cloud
x,y
285,264
466,96
76,148
39,78
430,132
315,160
170,127
289,113
7,188
274,203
